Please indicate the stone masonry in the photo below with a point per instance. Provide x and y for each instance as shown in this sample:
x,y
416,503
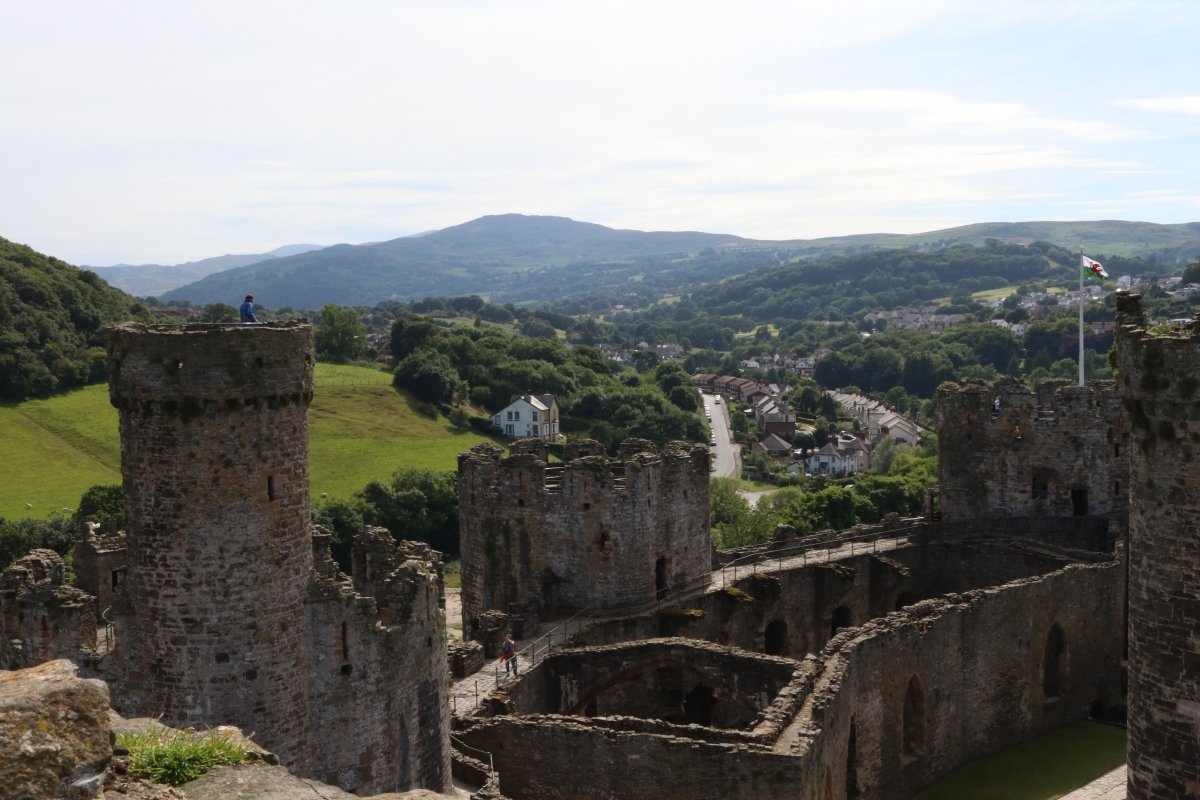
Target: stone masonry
x,y
41,617
1159,376
588,533
1057,451
225,615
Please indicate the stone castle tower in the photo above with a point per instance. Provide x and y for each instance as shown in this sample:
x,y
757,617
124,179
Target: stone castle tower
x,y
214,458
588,533
231,610
1159,376
1008,451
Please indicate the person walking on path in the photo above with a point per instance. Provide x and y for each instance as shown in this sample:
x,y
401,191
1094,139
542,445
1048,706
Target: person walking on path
x,y
508,654
248,309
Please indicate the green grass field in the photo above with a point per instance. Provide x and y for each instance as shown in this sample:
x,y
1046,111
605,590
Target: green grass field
x,y
1043,768
360,429
993,294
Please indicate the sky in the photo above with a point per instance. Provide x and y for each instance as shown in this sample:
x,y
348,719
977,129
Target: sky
x,y
152,132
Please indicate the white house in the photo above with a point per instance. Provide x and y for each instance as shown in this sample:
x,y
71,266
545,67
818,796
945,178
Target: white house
x,y
533,416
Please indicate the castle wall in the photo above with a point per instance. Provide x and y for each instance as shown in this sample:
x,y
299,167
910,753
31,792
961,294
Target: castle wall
x,y
589,533
672,680
795,612
233,610
985,650
41,617
1059,451
99,564
378,668
1158,380
214,459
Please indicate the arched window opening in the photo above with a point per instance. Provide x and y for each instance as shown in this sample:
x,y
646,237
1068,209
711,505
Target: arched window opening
x,y
1055,663
912,726
839,619
775,638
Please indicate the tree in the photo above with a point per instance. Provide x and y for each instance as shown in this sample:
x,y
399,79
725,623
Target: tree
x,y
409,333
1191,273
219,312
429,375
104,505
340,335
417,504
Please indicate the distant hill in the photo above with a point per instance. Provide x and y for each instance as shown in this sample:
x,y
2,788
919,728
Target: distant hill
x,y
152,280
477,257
513,257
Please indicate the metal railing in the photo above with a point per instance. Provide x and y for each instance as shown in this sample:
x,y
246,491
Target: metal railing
x,y
463,748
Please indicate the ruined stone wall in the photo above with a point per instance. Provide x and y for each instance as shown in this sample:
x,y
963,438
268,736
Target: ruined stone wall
x,y
673,680
214,458
796,612
1158,377
1060,450
233,610
979,665
588,533
99,564
41,617
378,669
947,681
541,758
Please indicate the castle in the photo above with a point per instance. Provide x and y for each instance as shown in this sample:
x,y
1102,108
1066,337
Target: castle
x,y
232,610
825,672
862,664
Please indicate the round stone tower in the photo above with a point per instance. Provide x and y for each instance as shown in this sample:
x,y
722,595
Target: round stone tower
x,y
1159,382
214,458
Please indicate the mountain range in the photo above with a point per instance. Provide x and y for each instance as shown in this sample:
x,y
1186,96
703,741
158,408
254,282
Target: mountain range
x,y
517,258
151,280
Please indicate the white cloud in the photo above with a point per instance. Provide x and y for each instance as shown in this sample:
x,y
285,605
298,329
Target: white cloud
x,y
143,131
1170,105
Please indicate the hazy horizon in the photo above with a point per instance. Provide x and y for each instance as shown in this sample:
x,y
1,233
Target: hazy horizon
x,y
141,133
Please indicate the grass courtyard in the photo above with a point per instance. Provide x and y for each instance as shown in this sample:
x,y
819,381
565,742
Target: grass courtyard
x,y
1043,768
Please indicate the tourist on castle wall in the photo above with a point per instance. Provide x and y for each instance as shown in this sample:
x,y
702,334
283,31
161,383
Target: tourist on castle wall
x,y
247,309
508,654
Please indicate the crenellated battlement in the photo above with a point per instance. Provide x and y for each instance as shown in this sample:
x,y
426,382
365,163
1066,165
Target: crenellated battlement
x,y
231,609
1008,450
591,531
213,368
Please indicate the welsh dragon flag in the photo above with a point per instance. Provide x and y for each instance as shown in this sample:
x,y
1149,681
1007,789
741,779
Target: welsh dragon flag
x,y
1091,269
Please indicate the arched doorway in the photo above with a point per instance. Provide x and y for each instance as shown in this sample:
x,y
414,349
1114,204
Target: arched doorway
x,y
839,619
912,725
775,638
1055,663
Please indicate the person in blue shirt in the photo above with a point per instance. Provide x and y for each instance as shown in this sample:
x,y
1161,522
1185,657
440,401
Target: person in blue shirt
x,y
248,309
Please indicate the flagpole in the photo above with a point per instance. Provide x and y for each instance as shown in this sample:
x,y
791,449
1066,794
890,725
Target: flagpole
x,y
1081,315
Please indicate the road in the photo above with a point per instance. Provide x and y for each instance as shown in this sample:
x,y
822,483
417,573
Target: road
x,y
727,455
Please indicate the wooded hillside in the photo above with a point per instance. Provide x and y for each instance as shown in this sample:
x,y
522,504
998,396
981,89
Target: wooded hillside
x,y
51,318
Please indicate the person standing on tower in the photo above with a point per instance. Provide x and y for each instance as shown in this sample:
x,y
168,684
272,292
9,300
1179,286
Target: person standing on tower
x,y
248,309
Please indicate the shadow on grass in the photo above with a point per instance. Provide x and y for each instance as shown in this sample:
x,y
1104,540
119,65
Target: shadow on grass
x,y
1043,768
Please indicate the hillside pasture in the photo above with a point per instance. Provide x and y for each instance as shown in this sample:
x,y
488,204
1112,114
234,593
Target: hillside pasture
x,y
360,429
